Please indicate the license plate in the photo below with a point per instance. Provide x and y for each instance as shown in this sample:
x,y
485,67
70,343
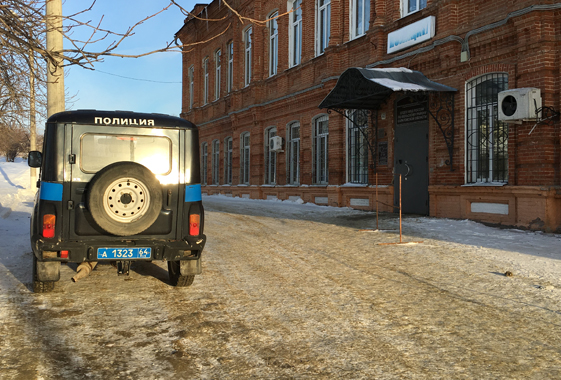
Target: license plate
x,y
124,253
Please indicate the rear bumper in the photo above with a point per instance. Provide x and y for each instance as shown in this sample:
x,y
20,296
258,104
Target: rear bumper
x,y
78,252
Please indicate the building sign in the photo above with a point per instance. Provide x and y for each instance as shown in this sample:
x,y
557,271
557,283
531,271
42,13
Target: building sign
x,y
411,113
420,31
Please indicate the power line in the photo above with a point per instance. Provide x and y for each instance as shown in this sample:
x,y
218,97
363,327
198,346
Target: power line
x,y
138,79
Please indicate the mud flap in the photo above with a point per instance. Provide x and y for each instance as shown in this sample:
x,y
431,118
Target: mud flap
x,y
191,267
48,271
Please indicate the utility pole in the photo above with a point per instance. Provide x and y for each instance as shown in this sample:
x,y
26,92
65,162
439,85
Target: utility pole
x,y
32,124
55,72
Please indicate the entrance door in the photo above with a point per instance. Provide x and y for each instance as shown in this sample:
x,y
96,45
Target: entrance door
x,y
411,157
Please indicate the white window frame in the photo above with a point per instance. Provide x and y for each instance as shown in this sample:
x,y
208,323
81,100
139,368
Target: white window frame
x,y
204,163
320,151
228,145
230,85
206,80
216,162
270,157
273,44
293,154
217,73
360,17
323,25
248,35
295,33
245,156
191,75
418,5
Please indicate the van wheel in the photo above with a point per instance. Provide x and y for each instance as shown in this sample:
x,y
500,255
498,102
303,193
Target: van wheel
x,y
41,286
124,198
175,277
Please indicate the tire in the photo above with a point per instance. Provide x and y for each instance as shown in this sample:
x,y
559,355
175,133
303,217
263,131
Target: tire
x,y
41,286
124,198
175,277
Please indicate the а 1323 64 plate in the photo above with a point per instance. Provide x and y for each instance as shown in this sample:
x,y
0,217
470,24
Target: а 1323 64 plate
x,y
124,253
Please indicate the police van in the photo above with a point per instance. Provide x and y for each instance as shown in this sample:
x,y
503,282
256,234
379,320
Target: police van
x,y
117,187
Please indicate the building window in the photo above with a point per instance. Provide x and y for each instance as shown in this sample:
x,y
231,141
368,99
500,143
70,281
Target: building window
x,y
295,33
230,66
410,6
320,134
360,17
244,158
357,147
293,154
323,20
205,80
217,73
191,75
487,137
204,162
270,157
247,43
273,44
228,143
215,162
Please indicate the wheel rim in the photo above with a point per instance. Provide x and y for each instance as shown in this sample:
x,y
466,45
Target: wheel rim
x,y
126,199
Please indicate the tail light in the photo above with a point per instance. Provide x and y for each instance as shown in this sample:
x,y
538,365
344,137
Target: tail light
x,y
194,224
49,226
63,254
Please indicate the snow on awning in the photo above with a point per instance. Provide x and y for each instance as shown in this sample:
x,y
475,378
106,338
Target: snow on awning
x,y
359,88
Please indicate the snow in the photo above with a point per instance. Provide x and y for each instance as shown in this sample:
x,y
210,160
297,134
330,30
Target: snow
x,y
291,290
534,254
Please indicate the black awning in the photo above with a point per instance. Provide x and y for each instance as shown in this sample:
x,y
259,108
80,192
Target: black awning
x,y
359,88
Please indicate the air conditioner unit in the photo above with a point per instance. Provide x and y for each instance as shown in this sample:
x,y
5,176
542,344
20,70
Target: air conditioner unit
x,y
519,104
275,144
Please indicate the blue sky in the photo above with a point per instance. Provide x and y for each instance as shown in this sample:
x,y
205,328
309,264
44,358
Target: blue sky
x,y
106,88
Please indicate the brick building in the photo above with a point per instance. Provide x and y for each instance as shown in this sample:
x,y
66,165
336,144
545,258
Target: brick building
x,y
409,89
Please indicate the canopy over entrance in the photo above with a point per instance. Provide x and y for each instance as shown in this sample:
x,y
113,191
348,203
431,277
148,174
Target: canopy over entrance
x,y
359,88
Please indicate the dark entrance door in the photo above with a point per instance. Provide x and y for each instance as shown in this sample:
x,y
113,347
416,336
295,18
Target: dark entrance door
x,y
411,155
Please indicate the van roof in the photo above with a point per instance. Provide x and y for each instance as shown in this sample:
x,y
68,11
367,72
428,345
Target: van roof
x,y
120,118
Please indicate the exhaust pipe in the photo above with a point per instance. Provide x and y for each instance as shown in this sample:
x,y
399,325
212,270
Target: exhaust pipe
x,y
84,270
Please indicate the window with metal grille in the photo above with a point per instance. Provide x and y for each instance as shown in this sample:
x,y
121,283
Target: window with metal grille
x,y
293,148
357,146
321,132
228,160
215,162
270,157
244,158
204,162
487,137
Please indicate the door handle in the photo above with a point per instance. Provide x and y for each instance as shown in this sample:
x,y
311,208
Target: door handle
x,y
408,169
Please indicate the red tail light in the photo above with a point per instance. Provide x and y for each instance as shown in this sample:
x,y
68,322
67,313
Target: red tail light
x,y
63,254
49,225
194,224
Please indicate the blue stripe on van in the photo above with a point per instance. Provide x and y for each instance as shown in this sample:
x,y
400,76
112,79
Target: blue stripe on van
x,y
50,191
193,193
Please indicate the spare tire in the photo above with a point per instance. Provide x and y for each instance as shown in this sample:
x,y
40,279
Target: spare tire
x,y
124,198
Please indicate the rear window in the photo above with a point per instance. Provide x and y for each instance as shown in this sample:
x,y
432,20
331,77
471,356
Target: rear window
x,y
99,150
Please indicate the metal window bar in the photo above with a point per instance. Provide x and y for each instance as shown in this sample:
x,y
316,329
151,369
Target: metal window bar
x,y
487,137
270,158
358,146
204,162
215,162
294,154
319,166
228,161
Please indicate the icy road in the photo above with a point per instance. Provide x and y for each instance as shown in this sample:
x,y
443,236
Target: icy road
x,y
291,291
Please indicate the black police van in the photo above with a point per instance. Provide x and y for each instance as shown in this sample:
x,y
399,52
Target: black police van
x,y
117,187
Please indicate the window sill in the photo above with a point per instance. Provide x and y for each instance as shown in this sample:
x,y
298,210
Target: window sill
x,y
485,184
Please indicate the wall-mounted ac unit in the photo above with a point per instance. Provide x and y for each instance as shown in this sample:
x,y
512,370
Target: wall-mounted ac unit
x,y
275,144
519,104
